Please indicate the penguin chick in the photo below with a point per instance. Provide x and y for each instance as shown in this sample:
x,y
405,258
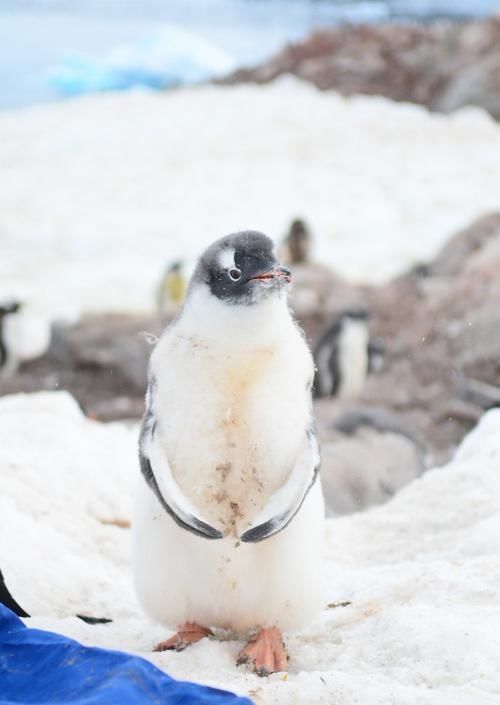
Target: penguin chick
x,y
342,356
230,516
172,288
297,244
25,334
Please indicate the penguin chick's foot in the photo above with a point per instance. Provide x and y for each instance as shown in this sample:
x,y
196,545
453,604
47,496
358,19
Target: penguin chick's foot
x,y
188,634
266,652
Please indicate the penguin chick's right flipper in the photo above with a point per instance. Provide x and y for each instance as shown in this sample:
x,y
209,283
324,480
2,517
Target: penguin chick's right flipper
x,y
284,504
158,475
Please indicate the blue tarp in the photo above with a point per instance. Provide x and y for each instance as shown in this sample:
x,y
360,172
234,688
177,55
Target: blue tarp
x,y
41,667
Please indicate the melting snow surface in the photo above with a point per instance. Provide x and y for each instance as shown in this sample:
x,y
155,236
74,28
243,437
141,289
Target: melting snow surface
x,y
421,573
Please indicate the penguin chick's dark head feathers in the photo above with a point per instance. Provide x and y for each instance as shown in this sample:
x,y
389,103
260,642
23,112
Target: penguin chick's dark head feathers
x,y
241,269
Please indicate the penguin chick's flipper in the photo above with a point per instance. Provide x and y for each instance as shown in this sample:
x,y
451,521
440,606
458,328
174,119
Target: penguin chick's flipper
x,y
186,635
157,473
156,470
284,504
266,652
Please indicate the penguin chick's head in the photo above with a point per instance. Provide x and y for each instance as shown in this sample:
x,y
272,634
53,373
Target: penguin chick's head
x,y
242,269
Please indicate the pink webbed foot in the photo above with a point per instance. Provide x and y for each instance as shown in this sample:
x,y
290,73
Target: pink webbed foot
x,y
265,651
188,634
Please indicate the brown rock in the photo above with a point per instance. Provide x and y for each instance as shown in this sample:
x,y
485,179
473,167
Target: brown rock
x,y
443,65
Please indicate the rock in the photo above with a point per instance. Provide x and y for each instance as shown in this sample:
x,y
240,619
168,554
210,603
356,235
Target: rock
x,y
477,84
454,255
440,325
367,455
102,361
318,293
444,65
365,469
481,394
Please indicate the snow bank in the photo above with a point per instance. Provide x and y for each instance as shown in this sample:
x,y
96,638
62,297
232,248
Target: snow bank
x,y
421,573
98,193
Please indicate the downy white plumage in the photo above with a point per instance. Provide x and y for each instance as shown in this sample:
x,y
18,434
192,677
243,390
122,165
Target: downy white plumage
x,y
230,517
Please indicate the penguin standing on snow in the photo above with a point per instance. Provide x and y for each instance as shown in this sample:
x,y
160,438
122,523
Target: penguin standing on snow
x,y
344,355
230,516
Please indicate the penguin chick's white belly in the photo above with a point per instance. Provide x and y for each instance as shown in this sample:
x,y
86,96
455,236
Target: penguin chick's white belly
x,y
353,358
180,577
232,424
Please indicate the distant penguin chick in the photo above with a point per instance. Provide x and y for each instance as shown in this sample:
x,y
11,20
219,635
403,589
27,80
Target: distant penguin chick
x,y
25,334
172,289
297,244
342,356
230,517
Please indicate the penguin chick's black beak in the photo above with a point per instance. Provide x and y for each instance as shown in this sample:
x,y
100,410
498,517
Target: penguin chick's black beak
x,y
277,272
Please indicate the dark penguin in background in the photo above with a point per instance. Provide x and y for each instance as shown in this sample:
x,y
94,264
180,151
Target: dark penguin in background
x,y
6,309
344,355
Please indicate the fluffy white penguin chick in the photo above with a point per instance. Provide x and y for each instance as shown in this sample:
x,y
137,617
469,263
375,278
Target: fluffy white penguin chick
x,y
230,516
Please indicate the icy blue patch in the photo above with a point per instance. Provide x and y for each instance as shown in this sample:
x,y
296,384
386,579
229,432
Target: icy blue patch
x,y
167,58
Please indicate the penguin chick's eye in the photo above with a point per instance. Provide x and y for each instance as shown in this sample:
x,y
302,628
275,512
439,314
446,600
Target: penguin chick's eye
x,y
235,274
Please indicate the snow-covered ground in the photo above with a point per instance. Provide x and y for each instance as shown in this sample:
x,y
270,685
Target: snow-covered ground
x,y
422,573
99,193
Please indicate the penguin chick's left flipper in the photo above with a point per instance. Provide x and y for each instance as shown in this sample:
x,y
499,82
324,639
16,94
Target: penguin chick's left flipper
x,y
284,504
157,473
186,635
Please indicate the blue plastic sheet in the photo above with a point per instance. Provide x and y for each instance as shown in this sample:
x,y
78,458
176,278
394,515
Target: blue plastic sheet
x,y
42,667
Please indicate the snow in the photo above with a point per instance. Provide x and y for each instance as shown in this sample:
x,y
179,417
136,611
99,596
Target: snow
x,y
422,573
99,193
